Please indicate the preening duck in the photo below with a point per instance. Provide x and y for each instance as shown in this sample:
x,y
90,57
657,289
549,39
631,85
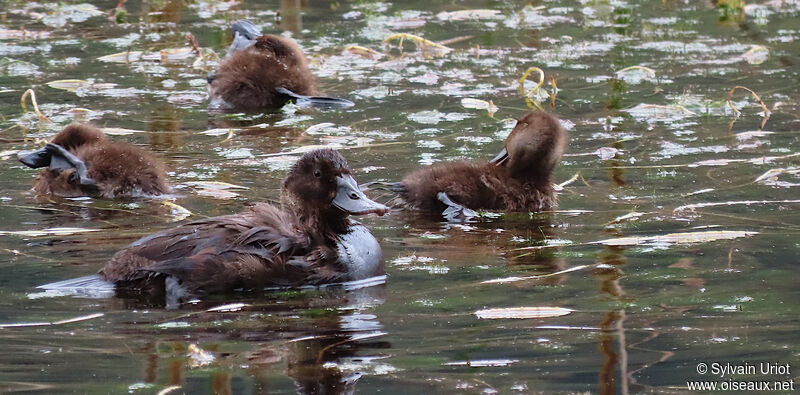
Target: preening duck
x,y
310,240
517,179
262,72
81,161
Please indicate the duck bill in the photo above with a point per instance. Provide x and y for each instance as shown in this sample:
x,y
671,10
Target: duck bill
x,y
351,200
36,159
501,158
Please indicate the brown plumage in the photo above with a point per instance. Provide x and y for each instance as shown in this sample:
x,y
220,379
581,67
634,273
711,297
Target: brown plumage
x,y
518,179
310,240
80,161
255,67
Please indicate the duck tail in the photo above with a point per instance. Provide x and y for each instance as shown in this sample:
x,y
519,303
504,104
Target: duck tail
x,y
92,286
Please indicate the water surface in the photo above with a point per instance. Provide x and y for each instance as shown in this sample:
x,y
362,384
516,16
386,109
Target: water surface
x,y
656,148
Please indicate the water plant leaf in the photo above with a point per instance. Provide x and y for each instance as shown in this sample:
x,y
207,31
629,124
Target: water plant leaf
x,y
68,85
228,307
178,212
61,322
506,280
121,131
625,218
731,203
424,45
467,14
757,54
47,232
363,52
677,238
199,357
479,104
483,363
522,313
121,57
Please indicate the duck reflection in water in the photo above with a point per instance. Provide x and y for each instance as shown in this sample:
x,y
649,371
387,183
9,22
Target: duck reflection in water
x,y
322,353
263,72
310,240
517,179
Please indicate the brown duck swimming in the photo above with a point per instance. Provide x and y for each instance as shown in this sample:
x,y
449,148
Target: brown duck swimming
x,y
517,179
80,161
262,72
310,240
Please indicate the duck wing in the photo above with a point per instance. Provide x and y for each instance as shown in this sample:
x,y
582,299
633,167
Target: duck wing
x,y
212,254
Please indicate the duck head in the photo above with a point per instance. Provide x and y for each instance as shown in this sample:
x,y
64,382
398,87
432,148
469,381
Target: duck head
x,y
67,172
320,188
533,148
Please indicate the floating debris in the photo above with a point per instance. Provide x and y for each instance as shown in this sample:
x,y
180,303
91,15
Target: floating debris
x,y
467,15
178,212
757,54
47,232
199,357
424,45
479,104
677,238
522,313
61,322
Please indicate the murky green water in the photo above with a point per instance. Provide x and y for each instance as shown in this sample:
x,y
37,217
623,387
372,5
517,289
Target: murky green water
x,y
662,143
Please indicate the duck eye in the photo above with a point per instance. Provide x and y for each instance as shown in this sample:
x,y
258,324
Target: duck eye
x,y
317,173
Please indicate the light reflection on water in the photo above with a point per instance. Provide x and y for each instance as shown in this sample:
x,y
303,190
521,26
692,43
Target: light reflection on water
x,y
666,147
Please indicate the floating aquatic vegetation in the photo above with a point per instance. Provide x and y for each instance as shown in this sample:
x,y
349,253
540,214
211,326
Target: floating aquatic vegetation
x,y
177,212
363,52
736,112
479,104
199,357
121,131
625,218
522,313
462,15
757,54
731,203
424,45
676,238
535,95
507,280
121,57
84,85
32,94
483,363
636,74
62,322
226,308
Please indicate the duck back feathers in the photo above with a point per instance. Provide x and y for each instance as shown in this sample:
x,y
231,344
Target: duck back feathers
x,y
249,78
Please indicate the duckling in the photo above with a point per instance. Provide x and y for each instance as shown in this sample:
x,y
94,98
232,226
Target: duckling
x,y
310,240
80,161
517,179
264,71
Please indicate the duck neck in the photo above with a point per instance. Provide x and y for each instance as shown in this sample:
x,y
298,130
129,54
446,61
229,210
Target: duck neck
x,y
329,222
